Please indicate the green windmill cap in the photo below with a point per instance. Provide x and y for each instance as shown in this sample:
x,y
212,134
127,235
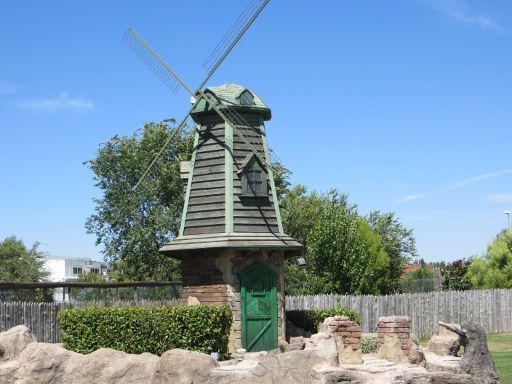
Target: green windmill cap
x,y
235,95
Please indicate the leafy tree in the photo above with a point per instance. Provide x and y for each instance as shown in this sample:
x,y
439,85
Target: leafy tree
x,y
494,268
132,225
455,275
398,242
21,264
346,257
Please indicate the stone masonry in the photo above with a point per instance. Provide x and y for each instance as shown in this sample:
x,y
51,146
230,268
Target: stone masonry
x,y
214,279
348,338
395,326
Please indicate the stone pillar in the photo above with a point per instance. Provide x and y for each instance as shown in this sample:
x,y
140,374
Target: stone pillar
x,y
348,338
394,341
395,326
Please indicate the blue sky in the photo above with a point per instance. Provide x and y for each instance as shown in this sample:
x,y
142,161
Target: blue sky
x,y
405,105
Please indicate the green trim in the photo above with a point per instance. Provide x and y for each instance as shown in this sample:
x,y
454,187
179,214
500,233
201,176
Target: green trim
x,y
228,177
271,176
189,181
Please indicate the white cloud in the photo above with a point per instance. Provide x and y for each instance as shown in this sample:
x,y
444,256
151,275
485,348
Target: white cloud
x,y
461,11
460,184
501,197
8,88
415,196
476,179
64,102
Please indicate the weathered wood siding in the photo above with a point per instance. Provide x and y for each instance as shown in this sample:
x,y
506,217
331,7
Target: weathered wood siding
x,y
205,213
492,309
42,318
251,214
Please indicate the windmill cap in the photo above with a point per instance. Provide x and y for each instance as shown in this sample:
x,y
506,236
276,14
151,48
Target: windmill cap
x,y
236,95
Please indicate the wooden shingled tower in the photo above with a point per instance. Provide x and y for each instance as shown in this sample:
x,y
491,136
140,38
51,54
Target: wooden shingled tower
x,y
231,242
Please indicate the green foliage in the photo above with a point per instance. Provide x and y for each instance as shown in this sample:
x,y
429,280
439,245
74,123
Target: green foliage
x,y
21,264
455,275
494,268
368,342
132,225
398,242
346,253
310,320
346,257
155,330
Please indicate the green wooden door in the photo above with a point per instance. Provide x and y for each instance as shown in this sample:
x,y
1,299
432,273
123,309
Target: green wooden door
x,y
259,308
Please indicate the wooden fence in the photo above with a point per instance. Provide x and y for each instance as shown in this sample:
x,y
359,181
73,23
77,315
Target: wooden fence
x,y
491,308
42,319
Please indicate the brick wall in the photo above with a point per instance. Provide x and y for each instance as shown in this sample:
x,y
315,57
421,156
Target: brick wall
x,y
203,280
395,326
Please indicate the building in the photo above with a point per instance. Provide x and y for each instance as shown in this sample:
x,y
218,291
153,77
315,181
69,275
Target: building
x,y
231,242
63,269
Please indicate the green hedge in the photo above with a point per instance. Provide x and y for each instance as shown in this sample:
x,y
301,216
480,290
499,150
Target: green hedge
x,y
155,330
310,320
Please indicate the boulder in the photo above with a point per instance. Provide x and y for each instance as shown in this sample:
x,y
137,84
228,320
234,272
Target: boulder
x,y
292,367
13,341
391,350
446,342
347,355
42,363
107,365
444,345
179,366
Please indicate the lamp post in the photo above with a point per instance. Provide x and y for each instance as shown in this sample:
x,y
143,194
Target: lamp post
x,y
508,218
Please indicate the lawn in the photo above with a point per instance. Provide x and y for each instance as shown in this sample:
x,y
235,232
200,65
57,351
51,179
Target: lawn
x,y
500,346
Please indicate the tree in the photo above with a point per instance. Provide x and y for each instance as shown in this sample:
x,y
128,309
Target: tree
x,y
455,275
132,225
21,264
494,268
399,243
346,257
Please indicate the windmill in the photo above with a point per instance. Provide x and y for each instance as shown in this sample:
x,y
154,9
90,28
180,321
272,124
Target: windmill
x,y
231,242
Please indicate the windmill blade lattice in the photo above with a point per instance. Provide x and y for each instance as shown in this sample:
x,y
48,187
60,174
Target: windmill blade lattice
x,y
173,82
233,34
144,54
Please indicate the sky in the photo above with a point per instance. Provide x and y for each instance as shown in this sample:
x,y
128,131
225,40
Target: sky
x,y
403,104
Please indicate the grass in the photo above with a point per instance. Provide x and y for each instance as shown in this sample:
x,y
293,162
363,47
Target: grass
x,y
500,346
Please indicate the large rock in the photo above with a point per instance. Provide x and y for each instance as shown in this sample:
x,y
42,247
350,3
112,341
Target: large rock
x,y
13,341
391,350
107,365
179,366
42,363
285,368
445,343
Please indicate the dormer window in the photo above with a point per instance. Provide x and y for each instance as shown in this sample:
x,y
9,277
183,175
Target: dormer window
x,y
254,177
246,98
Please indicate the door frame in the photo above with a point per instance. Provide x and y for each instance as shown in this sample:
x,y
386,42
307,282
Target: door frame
x,y
273,300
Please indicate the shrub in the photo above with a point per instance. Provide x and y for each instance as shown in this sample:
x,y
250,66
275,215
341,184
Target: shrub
x,y
155,330
415,339
310,320
368,342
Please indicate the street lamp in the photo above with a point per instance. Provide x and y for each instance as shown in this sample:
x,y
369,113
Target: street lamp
x,y
508,217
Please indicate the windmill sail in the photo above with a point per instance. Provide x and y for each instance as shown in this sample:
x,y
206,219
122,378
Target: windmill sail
x,y
172,81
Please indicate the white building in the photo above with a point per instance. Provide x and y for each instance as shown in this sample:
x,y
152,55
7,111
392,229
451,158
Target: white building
x,y
61,269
